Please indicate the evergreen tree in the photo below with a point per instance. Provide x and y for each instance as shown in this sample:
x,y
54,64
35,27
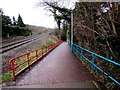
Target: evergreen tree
x,y
1,12
14,22
20,22
6,20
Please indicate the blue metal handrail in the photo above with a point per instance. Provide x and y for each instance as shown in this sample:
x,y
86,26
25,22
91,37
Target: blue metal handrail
x,y
75,48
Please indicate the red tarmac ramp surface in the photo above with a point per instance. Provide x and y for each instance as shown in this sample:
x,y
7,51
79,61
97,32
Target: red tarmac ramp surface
x,y
59,69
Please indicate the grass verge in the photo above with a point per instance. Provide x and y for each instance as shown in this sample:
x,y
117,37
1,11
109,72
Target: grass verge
x,y
5,77
9,76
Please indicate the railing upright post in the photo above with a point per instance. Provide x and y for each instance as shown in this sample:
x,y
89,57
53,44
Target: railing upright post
x,y
49,48
28,59
36,54
76,50
52,46
68,42
42,52
46,49
81,54
13,70
93,62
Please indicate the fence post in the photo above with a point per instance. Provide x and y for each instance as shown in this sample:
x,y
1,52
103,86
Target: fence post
x,y
93,62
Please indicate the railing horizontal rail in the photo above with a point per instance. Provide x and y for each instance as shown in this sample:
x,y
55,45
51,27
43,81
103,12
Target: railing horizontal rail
x,y
22,62
75,47
98,55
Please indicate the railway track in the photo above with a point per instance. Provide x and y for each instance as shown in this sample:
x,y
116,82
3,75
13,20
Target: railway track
x,y
13,45
10,50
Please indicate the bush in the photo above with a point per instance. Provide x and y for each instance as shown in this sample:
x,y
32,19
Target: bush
x,y
63,37
15,31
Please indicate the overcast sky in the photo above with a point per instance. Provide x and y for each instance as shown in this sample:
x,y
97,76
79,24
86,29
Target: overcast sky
x,y
29,12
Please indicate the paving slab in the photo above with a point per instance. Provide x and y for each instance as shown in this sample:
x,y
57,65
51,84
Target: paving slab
x,y
60,68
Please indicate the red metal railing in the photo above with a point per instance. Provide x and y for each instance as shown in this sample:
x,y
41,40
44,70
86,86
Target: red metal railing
x,y
22,62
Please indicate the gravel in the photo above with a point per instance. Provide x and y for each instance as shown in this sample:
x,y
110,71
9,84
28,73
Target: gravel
x,y
21,50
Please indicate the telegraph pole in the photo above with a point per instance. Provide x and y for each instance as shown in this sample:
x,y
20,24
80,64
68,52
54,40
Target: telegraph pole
x,y
71,28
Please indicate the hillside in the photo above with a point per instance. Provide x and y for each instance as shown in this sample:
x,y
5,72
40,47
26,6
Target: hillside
x,y
37,29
